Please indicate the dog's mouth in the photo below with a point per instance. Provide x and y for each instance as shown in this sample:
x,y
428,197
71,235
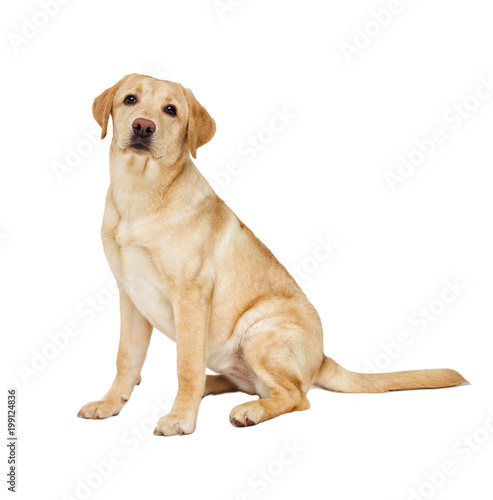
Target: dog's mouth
x,y
139,146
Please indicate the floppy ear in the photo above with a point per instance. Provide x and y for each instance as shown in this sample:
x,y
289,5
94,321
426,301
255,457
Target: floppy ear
x,y
101,107
201,127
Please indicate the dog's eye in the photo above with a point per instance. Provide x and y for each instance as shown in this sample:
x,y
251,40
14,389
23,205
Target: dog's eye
x,y
130,99
170,110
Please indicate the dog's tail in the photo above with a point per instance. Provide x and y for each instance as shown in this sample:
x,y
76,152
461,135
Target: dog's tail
x,y
335,378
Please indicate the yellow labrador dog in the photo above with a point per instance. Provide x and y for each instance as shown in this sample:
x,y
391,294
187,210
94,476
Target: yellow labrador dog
x,y
187,266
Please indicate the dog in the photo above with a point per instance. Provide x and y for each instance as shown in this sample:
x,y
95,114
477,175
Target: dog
x,y
188,267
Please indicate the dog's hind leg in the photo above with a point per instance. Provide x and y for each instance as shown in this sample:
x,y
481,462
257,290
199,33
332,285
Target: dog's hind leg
x,y
275,361
219,384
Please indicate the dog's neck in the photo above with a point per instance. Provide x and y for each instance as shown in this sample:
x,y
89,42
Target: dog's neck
x,y
142,184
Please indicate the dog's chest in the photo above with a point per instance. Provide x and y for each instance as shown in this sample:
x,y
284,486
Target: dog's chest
x,y
137,269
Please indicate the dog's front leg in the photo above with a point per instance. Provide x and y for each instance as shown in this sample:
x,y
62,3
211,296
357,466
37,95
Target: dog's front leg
x,y
191,307
192,310
135,336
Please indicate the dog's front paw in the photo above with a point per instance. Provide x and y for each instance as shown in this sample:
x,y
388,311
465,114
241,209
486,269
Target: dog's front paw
x,y
173,424
104,408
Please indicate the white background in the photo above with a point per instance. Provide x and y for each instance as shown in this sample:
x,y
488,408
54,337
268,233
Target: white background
x,y
322,176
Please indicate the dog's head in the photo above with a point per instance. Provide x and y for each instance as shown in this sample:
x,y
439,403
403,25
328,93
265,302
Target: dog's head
x,y
153,117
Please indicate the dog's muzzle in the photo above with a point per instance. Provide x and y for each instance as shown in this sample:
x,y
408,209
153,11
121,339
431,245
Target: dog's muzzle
x,y
143,130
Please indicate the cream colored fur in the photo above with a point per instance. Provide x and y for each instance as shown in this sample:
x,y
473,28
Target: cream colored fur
x,y
188,267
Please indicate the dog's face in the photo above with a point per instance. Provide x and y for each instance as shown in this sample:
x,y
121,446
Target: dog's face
x,y
153,117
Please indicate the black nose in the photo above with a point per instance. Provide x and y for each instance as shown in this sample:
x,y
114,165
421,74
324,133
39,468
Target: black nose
x,y
143,128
